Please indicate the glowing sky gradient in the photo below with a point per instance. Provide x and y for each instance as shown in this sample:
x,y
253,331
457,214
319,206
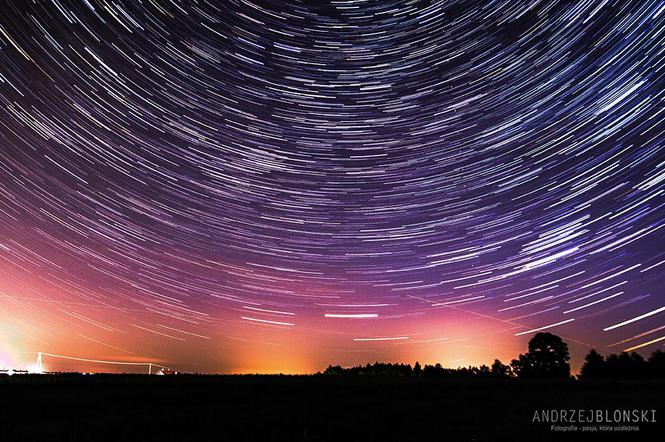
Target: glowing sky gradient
x,y
235,186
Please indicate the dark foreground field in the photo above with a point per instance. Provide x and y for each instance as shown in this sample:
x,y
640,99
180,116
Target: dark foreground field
x,y
308,408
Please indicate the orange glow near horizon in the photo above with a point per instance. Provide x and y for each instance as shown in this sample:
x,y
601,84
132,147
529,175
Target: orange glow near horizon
x,y
453,338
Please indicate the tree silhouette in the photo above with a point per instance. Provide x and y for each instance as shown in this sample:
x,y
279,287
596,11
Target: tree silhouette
x,y
636,365
547,357
612,366
625,366
594,366
434,370
500,370
656,364
333,370
483,370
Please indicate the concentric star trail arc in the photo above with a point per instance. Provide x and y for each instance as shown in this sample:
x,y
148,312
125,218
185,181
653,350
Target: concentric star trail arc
x,y
272,186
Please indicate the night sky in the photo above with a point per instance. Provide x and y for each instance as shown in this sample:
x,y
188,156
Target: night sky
x,y
234,186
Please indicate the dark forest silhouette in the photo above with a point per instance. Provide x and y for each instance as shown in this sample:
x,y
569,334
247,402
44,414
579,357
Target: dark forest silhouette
x,y
623,366
484,404
547,358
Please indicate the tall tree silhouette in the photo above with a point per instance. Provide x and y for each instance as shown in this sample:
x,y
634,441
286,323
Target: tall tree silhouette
x,y
594,366
547,357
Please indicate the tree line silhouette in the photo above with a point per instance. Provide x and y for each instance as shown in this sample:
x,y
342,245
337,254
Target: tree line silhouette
x,y
623,366
547,358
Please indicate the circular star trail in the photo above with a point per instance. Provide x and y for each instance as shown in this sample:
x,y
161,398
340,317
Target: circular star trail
x,y
237,185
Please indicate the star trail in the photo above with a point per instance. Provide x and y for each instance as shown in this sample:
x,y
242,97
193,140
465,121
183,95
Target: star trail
x,y
238,186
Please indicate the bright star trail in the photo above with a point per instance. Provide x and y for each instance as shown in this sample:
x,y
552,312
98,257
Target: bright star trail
x,y
229,186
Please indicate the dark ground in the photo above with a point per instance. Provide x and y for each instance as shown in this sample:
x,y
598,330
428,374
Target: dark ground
x,y
308,408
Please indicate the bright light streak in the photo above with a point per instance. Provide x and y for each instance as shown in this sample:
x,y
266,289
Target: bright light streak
x,y
352,315
653,341
397,338
637,318
544,327
265,321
